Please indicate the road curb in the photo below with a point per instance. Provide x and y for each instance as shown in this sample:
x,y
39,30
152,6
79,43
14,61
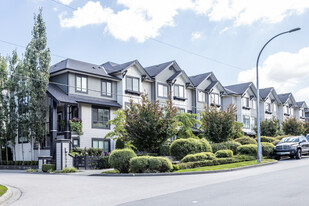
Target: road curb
x,y
6,195
184,173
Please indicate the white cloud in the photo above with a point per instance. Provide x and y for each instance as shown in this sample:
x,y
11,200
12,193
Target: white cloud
x,y
143,19
66,2
224,30
195,36
285,71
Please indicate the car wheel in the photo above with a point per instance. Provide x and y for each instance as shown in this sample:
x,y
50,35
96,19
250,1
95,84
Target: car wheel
x,y
298,154
277,157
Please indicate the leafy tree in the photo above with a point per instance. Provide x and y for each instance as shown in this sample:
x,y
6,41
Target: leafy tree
x,y
149,125
186,122
37,62
237,130
306,128
217,125
3,102
292,127
270,127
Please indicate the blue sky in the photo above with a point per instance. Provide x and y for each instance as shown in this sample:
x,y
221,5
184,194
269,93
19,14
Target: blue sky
x,y
229,31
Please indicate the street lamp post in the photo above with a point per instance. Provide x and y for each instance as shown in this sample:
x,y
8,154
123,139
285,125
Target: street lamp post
x,y
258,93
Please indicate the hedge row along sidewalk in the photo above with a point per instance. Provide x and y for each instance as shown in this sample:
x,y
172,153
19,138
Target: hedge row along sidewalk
x,y
199,170
3,190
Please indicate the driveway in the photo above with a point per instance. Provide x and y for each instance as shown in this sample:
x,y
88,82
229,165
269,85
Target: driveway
x,y
283,183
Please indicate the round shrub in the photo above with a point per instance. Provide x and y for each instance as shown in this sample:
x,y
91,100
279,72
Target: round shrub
x,y
267,139
48,167
267,149
230,145
224,153
119,144
182,147
199,157
150,164
246,140
120,159
248,149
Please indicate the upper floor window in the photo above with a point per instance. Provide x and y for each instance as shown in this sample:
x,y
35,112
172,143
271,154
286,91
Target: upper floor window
x,y
100,117
179,91
246,102
162,90
106,88
267,107
132,84
254,104
215,99
274,107
287,109
81,84
201,96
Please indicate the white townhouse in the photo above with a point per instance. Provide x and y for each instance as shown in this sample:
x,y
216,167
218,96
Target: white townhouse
x,y
170,81
300,111
269,104
208,91
288,108
243,96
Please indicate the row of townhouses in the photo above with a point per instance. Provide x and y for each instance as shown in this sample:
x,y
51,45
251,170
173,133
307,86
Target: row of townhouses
x,y
94,92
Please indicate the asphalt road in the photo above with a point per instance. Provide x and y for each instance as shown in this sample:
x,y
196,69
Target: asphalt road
x,y
284,183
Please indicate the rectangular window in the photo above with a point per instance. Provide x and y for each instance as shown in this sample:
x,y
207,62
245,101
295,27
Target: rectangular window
x,y
179,91
181,110
162,90
81,84
253,104
246,121
101,144
100,117
267,107
287,110
132,84
201,96
76,142
274,107
215,99
106,88
253,122
246,102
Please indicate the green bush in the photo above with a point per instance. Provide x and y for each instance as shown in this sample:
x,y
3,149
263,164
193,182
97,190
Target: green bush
x,y
48,167
281,137
165,150
204,163
150,164
267,149
224,153
199,157
119,144
103,163
182,147
275,142
267,139
246,140
120,159
34,163
69,170
292,126
248,149
269,127
231,145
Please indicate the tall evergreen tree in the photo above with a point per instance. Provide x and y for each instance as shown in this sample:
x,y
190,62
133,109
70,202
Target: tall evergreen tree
x,y
37,62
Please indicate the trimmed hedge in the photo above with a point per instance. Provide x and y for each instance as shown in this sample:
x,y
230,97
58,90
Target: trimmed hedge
x,y
48,167
103,163
230,145
275,142
182,147
238,158
198,157
282,136
246,140
267,139
224,153
248,149
267,149
120,159
150,164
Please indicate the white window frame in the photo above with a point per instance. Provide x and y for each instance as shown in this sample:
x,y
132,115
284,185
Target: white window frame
x,y
162,90
133,81
106,88
81,84
177,92
201,96
246,118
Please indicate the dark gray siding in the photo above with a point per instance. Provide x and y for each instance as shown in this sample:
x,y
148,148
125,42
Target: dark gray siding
x,y
62,79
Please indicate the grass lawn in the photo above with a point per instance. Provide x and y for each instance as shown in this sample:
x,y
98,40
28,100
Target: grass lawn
x,y
225,166
2,190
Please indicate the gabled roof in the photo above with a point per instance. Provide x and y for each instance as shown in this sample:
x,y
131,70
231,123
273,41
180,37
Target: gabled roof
x,y
285,97
174,76
265,92
57,94
80,66
113,68
212,85
302,104
238,89
197,79
156,69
